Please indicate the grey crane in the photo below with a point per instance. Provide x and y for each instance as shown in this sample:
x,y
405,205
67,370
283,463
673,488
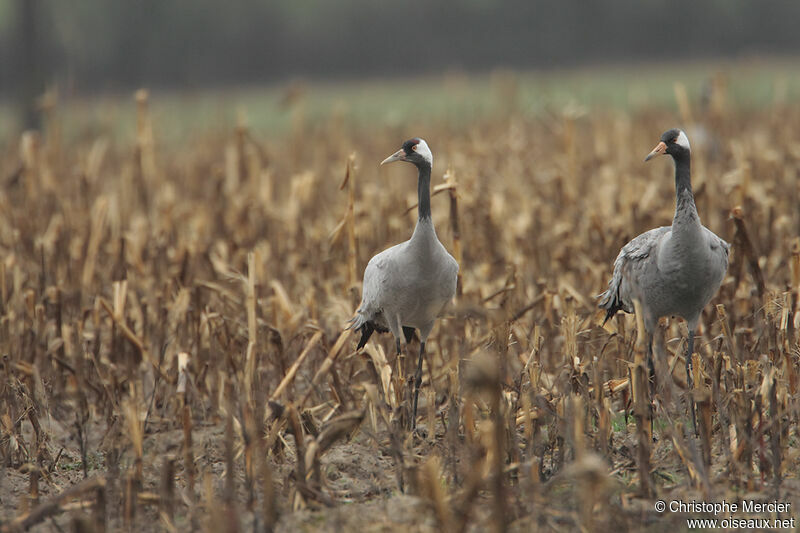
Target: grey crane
x,y
672,270
408,285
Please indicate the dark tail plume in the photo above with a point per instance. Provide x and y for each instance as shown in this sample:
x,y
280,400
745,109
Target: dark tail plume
x,y
611,302
367,329
366,333
409,334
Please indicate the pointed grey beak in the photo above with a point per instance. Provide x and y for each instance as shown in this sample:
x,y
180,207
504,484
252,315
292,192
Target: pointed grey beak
x,y
660,149
399,155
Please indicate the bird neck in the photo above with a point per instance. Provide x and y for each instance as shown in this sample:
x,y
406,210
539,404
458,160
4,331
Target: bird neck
x,y
424,232
683,175
424,192
685,208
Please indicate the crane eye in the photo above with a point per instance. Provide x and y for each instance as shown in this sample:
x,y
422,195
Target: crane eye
x,y
414,147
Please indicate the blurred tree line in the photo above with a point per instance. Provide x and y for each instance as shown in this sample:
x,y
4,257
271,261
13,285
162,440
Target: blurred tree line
x,y
98,45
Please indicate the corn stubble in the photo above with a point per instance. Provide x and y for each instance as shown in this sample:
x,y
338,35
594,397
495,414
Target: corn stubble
x,y
173,353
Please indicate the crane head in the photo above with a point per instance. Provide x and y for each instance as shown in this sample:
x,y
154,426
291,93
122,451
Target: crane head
x,y
673,142
414,151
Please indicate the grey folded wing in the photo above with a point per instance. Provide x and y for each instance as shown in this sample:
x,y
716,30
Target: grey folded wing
x,y
629,265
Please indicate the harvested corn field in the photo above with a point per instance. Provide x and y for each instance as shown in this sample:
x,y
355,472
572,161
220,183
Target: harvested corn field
x,y
174,354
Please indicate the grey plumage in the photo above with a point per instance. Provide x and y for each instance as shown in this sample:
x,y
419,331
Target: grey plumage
x,y
672,270
669,276
409,285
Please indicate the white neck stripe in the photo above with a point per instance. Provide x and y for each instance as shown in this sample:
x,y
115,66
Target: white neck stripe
x,y
682,140
425,152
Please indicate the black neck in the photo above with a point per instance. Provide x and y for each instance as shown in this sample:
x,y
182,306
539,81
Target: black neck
x,y
683,174
424,191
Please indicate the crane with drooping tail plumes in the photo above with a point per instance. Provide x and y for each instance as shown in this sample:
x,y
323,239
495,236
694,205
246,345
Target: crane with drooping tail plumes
x,y
408,285
672,270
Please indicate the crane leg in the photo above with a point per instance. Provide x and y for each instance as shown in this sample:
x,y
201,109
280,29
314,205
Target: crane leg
x,y
397,345
689,380
651,369
651,373
417,383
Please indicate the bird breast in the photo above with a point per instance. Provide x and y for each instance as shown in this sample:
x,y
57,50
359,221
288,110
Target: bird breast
x,y
689,273
425,284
